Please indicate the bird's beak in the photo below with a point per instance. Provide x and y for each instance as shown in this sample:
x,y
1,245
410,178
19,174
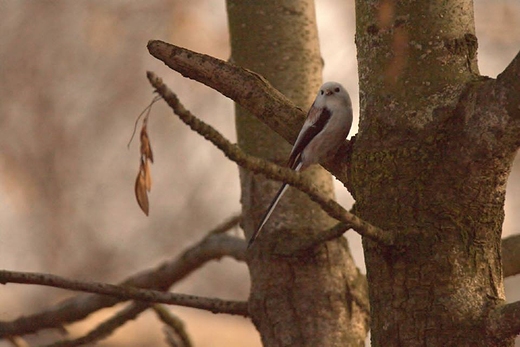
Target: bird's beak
x,y
328,92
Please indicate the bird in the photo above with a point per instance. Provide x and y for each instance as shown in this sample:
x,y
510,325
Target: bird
x,y
326,126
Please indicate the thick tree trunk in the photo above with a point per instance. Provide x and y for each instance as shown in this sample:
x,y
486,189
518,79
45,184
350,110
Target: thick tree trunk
x,y
317,298
431,158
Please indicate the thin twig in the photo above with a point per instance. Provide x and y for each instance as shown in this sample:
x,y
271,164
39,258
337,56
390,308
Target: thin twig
x,y
323,236
106,328
226,225
17,341
175,331
126,293
159,278
267,168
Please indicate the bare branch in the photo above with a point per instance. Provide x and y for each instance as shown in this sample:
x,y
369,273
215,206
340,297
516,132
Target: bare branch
x,y
306,243
17,341
106,328
175,333
267,168
245,87
248,89
126,293
159,278
504,321
226,226
511,255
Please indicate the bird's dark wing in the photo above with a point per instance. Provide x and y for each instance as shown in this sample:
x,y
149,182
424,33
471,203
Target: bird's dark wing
x,y
317,119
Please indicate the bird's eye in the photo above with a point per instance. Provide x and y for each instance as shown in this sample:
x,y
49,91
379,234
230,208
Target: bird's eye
x,y
336,89
321,92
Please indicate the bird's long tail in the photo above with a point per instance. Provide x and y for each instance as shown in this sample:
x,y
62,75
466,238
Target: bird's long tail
x,y
270,209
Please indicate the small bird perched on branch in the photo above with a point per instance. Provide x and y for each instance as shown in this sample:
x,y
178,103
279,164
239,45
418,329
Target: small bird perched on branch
x,y
327,125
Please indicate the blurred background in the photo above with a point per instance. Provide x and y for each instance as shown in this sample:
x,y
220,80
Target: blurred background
x,y
72,82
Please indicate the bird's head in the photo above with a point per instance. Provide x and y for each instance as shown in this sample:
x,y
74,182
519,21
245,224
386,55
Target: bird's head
x,y
333,93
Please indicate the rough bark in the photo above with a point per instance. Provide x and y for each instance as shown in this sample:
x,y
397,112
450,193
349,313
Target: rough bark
x,y
433,153
317,298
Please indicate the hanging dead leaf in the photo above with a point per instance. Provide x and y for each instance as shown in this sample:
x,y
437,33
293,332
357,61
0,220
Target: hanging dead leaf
x,y
147,176
143,182
141,189
146,148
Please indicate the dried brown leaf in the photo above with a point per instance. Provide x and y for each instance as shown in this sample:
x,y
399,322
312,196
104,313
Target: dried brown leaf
x,y
147,176
143,183
141,191
146,147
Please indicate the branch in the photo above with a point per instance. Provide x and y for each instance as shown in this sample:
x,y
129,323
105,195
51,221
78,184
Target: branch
x,y
126,293
159,278
504,321
267,168
176,334
106,328
509,82
511,255
243,86
17,341
306,243
225,227
247,88
326,235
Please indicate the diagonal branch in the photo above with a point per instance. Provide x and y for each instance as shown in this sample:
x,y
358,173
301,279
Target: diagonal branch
x,y
126,293
106,328
511,255
504,321
225,227
323,236
174,328
159,278
269,169
247,88
243,86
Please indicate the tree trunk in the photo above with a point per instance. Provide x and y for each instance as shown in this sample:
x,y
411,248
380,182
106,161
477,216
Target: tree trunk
x,y
431,159
317,298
